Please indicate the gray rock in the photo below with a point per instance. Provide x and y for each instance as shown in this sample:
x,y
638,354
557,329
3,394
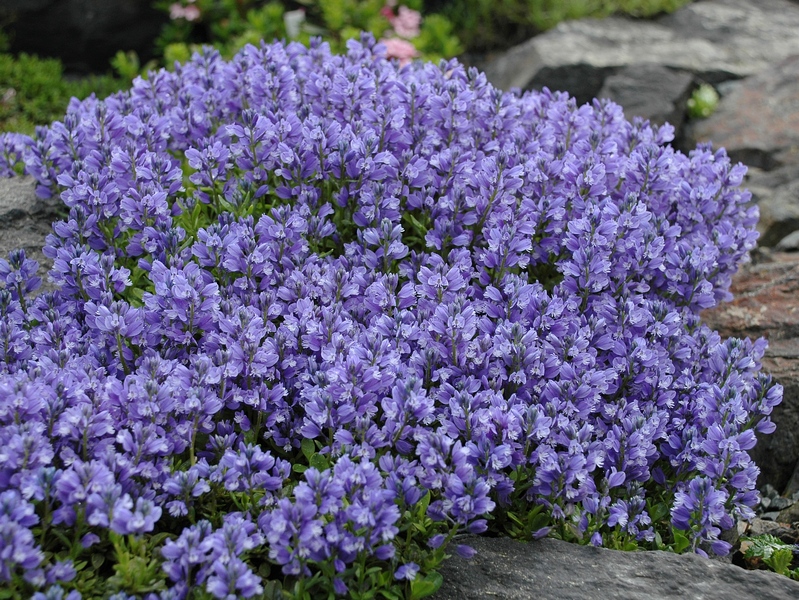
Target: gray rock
x,y
777,194
25,221
792,487
764,304
790,243
715,39
758,120
18,200
779,212
650,91
760,527
789,514
772,515
781,503
555,570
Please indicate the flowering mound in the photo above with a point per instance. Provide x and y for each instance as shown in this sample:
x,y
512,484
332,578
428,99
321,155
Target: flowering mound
x,y
317,315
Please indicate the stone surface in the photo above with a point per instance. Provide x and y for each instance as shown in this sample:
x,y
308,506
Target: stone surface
x,y
25,221
758,120
792,487
781,530
650,91
764,304
85,34
790,243
777,195
555,570
714,39
790,514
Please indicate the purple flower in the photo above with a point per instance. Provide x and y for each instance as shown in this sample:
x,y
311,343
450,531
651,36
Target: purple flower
x,y
134,520
233,579
700,509
336,294
407,571
18,549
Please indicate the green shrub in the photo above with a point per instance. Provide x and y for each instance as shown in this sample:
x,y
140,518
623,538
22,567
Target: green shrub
x,y
34,91
231,24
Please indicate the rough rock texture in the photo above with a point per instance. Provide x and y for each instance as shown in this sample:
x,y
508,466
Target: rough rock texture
x,y
757,121
555,570
85,34
650,91
792,487
764,304
777,195
25,221
714,39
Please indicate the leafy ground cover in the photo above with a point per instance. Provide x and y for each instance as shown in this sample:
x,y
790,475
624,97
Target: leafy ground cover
x,y
34,91
320,314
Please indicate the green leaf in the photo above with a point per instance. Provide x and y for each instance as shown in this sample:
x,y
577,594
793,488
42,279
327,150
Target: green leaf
x,y
422,588
630,546
308,447
273,590
160,537
659,541
320,462
390,594
659,511
681,541
780,560
775,553
422,504
298,468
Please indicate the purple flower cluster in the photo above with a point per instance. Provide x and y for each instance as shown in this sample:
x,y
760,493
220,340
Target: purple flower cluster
x,y
413,288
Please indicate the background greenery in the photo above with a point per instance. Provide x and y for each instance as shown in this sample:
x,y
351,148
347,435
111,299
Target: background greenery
x,y
36,91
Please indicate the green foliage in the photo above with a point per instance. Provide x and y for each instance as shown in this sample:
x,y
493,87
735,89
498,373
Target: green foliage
x,y
772,552
128,66
703,102
34,91
231,24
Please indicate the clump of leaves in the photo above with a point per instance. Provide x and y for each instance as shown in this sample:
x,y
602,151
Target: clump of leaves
x,y
703,102
772,552
34,91
229,25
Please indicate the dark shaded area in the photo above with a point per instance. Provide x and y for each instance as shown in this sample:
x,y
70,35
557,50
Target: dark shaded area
x,y
581,81
84,34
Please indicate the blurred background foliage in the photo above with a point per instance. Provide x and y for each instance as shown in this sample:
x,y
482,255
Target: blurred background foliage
x,y
35,91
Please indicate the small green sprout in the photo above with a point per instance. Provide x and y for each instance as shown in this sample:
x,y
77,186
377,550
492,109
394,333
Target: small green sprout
x,y
703,102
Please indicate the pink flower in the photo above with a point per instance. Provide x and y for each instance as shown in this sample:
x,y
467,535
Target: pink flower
x,y
401,49
178,11
191,13
406,23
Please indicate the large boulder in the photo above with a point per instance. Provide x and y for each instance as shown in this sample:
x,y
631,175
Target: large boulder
x,y
84,34
757,120
764,305
715,40
649,91
777,195
554,570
